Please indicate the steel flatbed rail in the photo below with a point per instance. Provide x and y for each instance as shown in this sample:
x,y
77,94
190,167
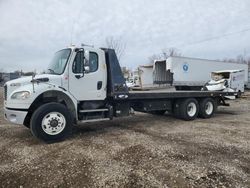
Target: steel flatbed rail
x,y
163,94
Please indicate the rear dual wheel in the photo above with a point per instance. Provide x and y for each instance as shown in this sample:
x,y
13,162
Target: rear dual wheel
x,y
207,108
188,109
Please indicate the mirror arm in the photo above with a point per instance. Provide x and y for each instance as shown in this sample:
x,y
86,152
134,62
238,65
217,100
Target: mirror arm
x,y
78,76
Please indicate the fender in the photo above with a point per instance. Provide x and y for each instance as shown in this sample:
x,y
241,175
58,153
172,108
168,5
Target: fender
x,y
57,95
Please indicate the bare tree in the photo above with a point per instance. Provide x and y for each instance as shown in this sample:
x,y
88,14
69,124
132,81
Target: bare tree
x,y
168,52
155,57
117,44
239,59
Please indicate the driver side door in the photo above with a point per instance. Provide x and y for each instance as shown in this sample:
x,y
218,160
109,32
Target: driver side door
x,y
87,82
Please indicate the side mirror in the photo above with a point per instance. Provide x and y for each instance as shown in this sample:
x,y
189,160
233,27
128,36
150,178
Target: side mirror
x,y
86,62
86,69
80,70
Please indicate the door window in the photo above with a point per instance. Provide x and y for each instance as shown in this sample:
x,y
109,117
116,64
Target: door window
x,y
78,63
93,61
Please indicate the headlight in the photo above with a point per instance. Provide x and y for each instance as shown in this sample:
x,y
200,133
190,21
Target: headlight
x,y
15,84
21,95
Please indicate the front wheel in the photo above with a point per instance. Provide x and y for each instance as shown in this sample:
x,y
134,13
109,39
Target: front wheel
x,y
51,122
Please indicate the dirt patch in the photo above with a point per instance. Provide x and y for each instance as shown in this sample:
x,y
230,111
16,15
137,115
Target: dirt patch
x,y
140,151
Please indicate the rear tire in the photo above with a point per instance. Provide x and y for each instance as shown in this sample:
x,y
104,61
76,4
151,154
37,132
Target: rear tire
x,y
189,109
51,122
207,108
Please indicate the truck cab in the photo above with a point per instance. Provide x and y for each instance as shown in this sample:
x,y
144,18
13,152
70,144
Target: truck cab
x,y
76,79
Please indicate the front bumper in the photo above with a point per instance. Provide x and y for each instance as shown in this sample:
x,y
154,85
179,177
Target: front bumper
x,y
15,116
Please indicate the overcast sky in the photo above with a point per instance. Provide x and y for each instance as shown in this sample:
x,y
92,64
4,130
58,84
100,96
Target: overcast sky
x,y
31,31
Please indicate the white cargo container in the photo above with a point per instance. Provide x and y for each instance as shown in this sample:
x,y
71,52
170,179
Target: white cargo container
x,y
146,75
191,73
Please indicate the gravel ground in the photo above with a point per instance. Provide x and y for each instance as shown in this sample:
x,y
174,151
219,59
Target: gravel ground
x,y
140,151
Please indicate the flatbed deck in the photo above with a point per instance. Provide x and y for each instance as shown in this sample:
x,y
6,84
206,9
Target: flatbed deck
x,y
167,94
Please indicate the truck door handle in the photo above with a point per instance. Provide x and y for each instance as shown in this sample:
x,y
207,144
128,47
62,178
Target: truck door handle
x,y
99,85
78,76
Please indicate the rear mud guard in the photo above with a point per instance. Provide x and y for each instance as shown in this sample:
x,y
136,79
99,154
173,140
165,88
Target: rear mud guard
x,y
223,102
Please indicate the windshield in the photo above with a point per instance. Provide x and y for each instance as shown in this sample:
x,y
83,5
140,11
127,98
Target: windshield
x,y
59,62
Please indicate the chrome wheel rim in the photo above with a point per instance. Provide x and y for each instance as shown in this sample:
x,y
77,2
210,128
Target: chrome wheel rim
x,y
191,109
53,123
209,108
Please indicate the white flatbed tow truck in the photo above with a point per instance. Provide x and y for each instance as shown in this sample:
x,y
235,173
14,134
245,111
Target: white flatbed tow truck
x,y
85,84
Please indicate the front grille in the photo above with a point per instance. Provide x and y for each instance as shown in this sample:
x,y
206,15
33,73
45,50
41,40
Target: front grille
x,y
5,92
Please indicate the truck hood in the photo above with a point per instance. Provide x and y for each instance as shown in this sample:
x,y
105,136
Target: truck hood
x,y
49,78
38,80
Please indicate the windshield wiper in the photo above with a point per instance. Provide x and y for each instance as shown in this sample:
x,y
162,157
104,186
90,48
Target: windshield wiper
x,y
52,71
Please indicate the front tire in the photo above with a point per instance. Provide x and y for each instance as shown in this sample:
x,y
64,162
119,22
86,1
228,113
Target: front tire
x,y
51,122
